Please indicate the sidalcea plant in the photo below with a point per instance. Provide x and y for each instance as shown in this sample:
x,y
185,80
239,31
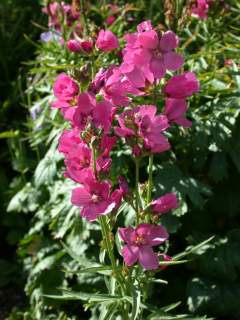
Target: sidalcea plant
x,y
102,116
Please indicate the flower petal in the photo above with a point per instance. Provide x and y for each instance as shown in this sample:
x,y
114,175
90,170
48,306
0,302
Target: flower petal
x,y
157,235
86,103
183,122
173,61
130,254
158,68
126,234
147,258
80,197
144,26
175,108
169,41
148,39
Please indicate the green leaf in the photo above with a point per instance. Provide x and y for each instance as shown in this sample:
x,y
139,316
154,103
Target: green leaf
x,y
47,167
171,178
111,309
192,249
90,297
171,306
47,263
106,270
158,281
8,134
236,77
172,262
136,296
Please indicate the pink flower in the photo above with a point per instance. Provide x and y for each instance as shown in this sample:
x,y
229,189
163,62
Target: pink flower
x,y
67,139
107,41
175,110
74,45
78,155
53,11
117,196
143,123
113,8
100,79
89,111
165,203
200,9
85,105
150,56
87,45
182,86
94,198
123,185
137,76
78,163
104,160
84,46
102,116
127,126
144,26
139,243
64,88
71,14
228,62
121,192
110,20
116,88
86,102
150,128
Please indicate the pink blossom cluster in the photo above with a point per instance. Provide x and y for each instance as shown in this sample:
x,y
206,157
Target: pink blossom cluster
x,y
105,114
57,11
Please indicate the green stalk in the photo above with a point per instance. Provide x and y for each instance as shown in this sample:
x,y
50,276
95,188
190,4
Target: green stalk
x,y
84,17
137,163
150,168
105,234
94,161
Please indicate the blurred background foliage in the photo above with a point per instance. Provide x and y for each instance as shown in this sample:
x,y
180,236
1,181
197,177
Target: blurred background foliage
x,y
203,167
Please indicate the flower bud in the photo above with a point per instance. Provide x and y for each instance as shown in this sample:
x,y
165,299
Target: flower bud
x,y
165,203
74,45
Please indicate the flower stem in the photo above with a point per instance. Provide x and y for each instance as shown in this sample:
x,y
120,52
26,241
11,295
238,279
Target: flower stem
x,y
137,163
107,240
84,17
150,168
94,161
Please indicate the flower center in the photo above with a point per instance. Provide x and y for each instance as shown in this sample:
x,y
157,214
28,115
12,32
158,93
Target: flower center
x,y
140,240
157,53
95,198
147,129
84,162
73,102
129,122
